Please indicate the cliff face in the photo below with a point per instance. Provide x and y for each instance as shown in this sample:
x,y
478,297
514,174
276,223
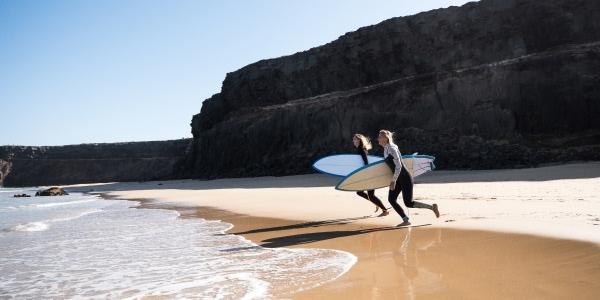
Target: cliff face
x,y
85,163
496,83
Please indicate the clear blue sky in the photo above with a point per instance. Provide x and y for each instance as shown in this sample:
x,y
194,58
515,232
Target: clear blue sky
x,y
112,71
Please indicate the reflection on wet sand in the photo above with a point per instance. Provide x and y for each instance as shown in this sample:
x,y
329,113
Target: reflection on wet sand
x,y
406,257
437,263
434,263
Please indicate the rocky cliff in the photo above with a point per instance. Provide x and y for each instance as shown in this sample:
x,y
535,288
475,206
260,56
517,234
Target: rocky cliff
x,y
496,83
85,163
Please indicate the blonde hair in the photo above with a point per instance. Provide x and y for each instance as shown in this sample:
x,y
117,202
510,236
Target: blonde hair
x,y
364,141
388,135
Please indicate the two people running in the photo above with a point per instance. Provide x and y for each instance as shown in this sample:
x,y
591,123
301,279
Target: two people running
x,y
402,181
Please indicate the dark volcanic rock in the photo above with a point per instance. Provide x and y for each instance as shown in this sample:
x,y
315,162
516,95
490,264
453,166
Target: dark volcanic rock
x,y
53,191
86,163
490,84
438,40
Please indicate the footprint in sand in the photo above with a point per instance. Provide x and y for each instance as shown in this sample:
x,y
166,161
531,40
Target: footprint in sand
x,y
451,220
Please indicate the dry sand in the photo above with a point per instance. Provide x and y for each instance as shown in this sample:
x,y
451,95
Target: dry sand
x,y
532,233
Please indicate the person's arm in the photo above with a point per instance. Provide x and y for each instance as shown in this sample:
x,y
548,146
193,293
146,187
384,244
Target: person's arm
x,y
395,153
363,154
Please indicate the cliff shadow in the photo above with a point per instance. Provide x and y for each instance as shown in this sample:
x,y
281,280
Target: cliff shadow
x,y
294,181
554,172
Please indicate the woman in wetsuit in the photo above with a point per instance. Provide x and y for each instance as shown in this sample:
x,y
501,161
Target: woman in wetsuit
x,y
363,145
402,180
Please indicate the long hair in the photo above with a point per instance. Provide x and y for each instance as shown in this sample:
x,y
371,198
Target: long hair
x,y
364,141
388,134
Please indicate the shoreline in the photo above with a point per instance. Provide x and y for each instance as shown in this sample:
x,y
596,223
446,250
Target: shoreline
x,y
530,233
402,263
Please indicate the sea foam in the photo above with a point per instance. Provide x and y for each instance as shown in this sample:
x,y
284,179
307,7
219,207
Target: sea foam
x,y
109,249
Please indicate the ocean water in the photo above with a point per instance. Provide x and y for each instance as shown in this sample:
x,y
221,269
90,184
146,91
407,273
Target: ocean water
x,y
83,246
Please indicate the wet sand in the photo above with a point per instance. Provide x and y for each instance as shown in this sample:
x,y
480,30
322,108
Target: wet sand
x,y
428,262
518,234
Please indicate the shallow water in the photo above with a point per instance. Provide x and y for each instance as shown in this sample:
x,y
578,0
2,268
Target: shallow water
x,y
84,246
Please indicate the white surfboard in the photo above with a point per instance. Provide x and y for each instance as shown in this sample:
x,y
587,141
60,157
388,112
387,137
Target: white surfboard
x,y
378,174
342,164
418,164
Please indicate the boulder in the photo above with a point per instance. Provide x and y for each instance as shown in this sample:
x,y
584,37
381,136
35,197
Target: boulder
x,y
53,191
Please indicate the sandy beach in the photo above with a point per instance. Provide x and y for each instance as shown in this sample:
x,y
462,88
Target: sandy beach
x,y
191,150
522,233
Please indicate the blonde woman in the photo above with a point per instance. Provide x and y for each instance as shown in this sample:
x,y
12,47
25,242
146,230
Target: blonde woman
x,y
363,145
402,180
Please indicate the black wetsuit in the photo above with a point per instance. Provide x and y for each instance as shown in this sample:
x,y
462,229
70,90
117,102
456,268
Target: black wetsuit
x,y
370,194
404,184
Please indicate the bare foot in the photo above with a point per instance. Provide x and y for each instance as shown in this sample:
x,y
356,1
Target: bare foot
x,y
383,213
436,211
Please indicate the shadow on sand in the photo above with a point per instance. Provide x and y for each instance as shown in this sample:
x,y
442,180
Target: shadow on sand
x,y
305,225
311,237
295,181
